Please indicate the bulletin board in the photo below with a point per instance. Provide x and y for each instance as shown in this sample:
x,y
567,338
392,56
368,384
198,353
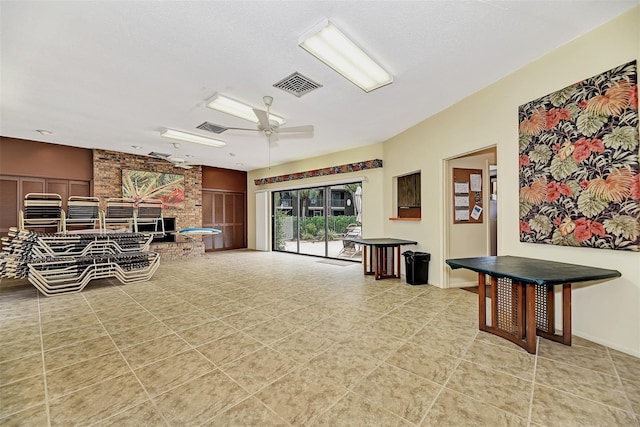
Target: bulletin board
x,y
467,196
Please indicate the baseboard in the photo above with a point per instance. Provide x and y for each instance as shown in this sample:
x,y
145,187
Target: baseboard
x,y
598,340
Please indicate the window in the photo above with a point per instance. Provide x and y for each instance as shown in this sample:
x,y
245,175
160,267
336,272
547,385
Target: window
x,y
409,196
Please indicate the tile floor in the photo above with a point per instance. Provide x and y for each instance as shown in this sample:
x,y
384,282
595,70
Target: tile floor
x,y
247,338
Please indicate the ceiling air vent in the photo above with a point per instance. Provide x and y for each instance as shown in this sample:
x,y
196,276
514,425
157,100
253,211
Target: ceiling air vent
x,y
159,155
297,84
211,127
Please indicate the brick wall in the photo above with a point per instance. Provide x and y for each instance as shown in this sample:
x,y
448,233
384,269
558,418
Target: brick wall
x,y
107,179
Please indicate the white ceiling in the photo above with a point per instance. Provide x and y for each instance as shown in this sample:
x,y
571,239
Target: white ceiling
x,y
107,74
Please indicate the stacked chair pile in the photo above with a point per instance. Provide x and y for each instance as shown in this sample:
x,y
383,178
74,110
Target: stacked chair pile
x,y
59,263
66,261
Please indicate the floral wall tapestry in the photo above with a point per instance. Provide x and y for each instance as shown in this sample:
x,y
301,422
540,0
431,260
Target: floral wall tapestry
x,y
140,185
579,174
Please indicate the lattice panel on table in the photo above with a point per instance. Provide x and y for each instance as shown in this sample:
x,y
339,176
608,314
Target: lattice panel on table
x,y
506,303
541,308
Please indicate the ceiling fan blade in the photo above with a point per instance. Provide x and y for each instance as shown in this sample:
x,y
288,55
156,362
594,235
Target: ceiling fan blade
x,y
305,128
263,117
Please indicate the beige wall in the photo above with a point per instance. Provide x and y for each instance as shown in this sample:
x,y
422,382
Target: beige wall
x,y
606,312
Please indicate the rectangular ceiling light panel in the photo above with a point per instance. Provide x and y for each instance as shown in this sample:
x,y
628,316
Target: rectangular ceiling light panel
x,y
330,46
190,137
239,109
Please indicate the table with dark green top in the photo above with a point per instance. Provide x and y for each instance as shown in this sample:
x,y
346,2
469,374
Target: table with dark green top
x,y
382,259
522,295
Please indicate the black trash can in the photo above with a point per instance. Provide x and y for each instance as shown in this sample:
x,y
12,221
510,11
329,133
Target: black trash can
x,y
417,267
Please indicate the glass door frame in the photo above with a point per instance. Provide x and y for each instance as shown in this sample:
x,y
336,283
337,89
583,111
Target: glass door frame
x,y
327,210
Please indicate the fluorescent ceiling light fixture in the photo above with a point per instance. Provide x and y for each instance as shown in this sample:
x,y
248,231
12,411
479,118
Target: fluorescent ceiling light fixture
x,y
330,46
190,137
239,109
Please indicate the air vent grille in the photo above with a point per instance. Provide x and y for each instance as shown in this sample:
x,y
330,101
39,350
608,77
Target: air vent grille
x,y
211,127
297,84
159,155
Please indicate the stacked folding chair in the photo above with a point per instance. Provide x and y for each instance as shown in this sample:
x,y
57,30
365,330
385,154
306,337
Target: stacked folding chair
x,y
41,210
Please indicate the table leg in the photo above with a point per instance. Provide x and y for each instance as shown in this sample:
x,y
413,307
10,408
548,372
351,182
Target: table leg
x,y
530,316
566,314
398,275
482,302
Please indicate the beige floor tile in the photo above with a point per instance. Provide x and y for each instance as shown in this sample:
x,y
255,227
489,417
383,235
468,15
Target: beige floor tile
x,y
188,320
200,399
154,350
49,327
632,390
18,369
395,327
556,408
493,387
139,334
165,374
582,382
374,343
227,308
628,367
513,362
78,351
97,402
258,369
579,356
177,309
304,316
355,411
83,374
301,395
206,332
488,338
19,395
36,416
399,392
413,314
343,365
249,412
246,319
446,342
279,307
19,347
270,331
129,321
452,409
301,346
229,348
426,362
72,336
144,415
581,342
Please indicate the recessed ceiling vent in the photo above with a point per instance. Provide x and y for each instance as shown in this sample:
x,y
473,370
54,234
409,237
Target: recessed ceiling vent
x,y
211,127
297,84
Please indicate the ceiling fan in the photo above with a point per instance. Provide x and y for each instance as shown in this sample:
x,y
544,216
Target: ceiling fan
x,y
178,162
272,127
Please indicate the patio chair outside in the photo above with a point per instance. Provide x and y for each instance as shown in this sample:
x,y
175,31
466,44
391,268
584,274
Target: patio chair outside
x,y
350,248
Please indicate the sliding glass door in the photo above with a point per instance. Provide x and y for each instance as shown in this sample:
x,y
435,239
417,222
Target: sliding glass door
x,y
318,221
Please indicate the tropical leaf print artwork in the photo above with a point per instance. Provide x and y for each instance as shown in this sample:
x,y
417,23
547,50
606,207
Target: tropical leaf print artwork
x,y
578,160
142,185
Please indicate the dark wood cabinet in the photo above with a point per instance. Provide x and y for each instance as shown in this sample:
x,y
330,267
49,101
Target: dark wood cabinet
x,y
226,212
409,196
